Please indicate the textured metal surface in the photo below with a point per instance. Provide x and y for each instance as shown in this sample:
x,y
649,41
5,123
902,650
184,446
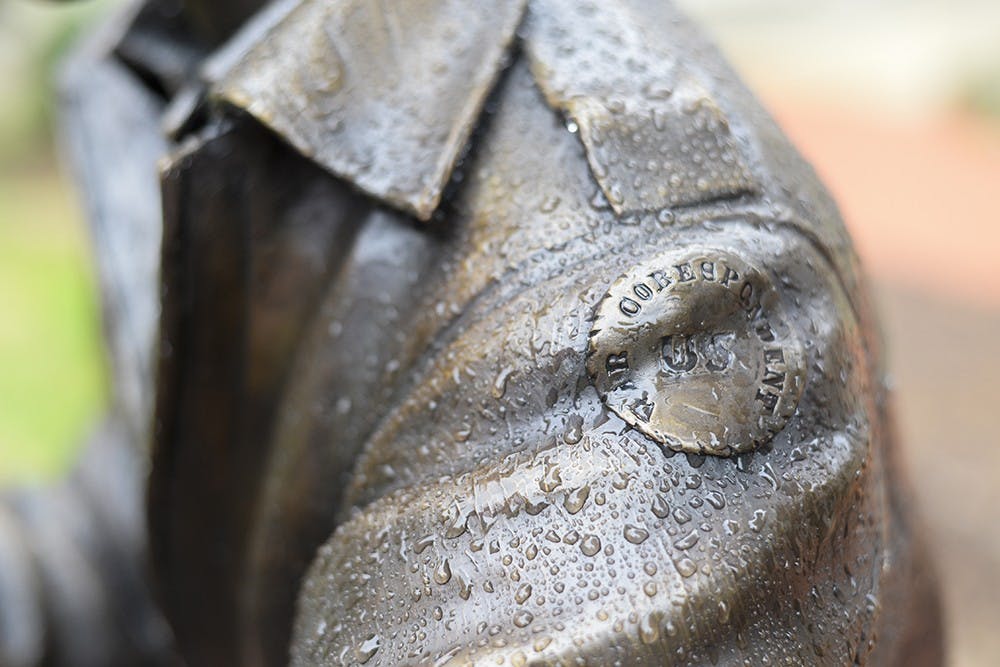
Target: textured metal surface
x,y
111,139
438,429
655,138
252,232
73,580
696,352
365,88
504,508
391,425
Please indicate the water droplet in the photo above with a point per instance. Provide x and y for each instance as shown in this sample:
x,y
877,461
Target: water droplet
x,y
574,430
620,481
576,499
442,575
463,433
660,506
723,612
500,382
522,594
686,567
657,90
533,508
423,543
590,545
522,618
665,216
551,479
635,534
598,202
716,500
541,643
464,588
454,523
549,204
687,541
364,652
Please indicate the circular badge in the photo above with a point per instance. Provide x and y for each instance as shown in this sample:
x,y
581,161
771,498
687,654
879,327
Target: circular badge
x,y
694,350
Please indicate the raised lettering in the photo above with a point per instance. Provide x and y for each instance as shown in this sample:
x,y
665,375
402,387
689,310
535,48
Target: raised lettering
x,y
764,331
642,291
642,409
616,363
774,379
678,353
629,306
774,355
718,352
708,270
769,400
685,273
729,276
729,370
661,280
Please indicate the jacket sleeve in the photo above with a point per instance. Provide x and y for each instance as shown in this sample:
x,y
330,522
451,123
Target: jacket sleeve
x,y
508,508
73,584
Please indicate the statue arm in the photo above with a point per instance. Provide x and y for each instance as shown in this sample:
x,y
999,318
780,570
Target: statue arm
x,y
73,588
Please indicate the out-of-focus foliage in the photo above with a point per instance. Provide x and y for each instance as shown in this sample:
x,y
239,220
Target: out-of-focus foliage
x,y
51,375
52,380
33,37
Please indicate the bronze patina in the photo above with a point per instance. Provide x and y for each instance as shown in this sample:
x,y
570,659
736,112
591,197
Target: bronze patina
x,y
695,351
491,333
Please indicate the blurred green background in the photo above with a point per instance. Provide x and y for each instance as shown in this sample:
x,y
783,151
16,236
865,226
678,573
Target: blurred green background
x,y
53,383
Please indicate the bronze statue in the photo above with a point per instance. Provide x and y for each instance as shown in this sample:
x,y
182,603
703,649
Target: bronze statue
x,y
491,333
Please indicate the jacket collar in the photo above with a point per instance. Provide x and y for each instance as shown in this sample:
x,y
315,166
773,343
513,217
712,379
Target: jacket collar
x,y
384,95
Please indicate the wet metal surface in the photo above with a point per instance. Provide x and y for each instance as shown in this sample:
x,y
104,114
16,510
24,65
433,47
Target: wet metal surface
x,y
349,85
655,138
611,396
696,353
